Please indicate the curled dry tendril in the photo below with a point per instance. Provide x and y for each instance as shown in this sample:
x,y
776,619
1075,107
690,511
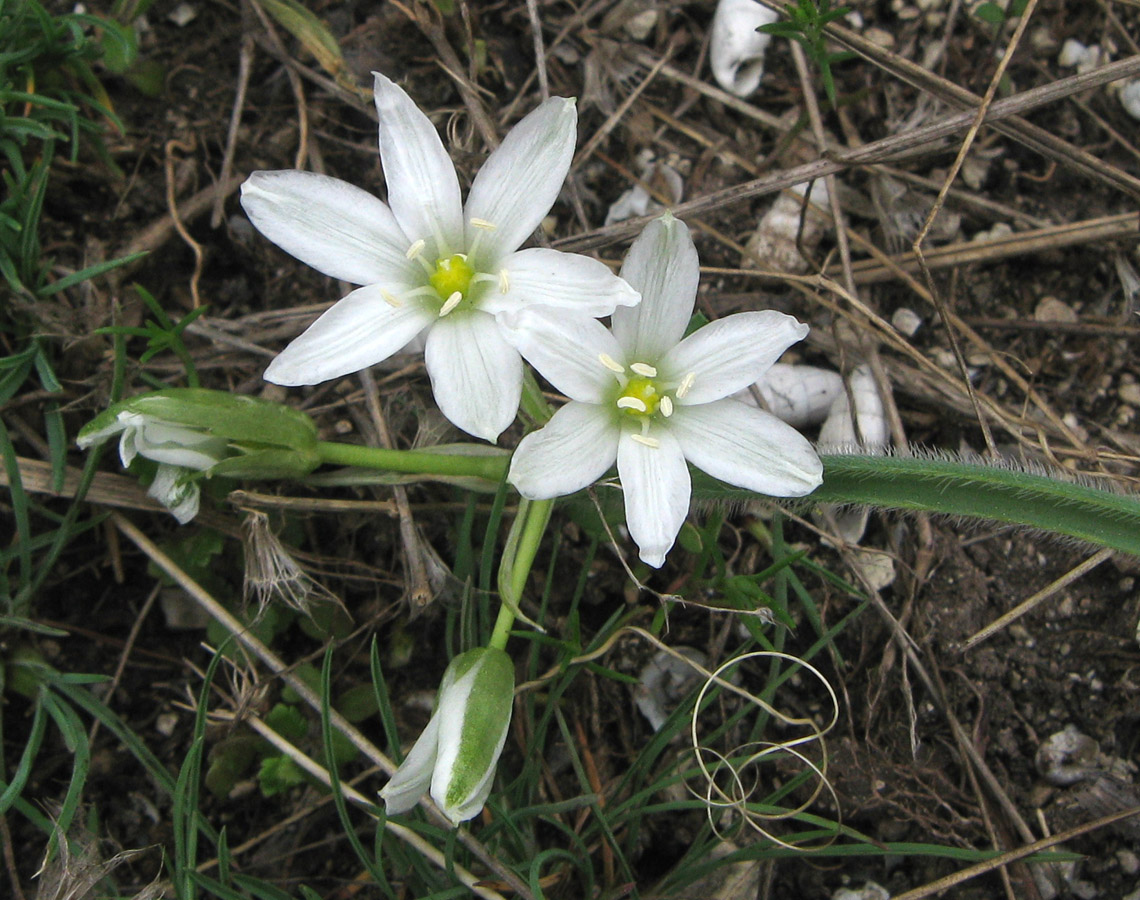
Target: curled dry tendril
x,y
733,778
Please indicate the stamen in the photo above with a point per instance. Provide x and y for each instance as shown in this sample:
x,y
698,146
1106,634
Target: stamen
x,y
484,224
612,364
453,301
651,443
416,249
666,407
686,385
391,299
632,403
504,281
644,369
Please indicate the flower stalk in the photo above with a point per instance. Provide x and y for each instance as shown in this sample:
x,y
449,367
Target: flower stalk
x,y
974,489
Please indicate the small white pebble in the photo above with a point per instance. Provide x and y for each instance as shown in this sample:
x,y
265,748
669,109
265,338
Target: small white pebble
x,y
906,321
1130,98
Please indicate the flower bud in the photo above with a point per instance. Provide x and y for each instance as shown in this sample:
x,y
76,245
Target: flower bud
x,y
192,432
458,751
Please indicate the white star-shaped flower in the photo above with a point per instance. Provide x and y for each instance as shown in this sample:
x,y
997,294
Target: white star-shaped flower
x,y
429,263
650,399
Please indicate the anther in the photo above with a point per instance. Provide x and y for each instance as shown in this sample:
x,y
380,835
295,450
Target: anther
x,y
632,403
416,249
644,369
651,443
391,299
610,363
686,385
666,407
484,224
504,281
453,301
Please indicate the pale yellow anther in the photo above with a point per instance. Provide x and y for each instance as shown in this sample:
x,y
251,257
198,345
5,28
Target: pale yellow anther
x,y
652,443
453,301
632,403
416,249
666,407
644,369
610,363
686,385
504,281
391,299
484,224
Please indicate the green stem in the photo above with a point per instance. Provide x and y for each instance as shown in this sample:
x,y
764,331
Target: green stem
x,y
972,489
418,462
503,624
518,557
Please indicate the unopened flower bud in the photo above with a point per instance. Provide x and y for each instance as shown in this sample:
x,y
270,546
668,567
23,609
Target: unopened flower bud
x,y
193,432
457,753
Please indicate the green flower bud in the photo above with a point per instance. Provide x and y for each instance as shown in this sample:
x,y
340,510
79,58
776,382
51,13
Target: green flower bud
x,y
192,432
458,751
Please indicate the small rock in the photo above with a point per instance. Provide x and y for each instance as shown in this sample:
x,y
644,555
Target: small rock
x,y
736,48
180,611
1075,54
182,15
869,891
1067,757
1130,393
1050,309
1130,98
639,26
999,231
166,723
664,683
1129,861
880,37
906,321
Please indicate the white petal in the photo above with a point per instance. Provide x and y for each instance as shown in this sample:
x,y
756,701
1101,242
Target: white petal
x,y
178,446
747,447
127,447
423,190
657,489
736,48
731,353
520,180
662,265
569,281
172,489
356,332
336,228
572,451
567,351
411,780
476,375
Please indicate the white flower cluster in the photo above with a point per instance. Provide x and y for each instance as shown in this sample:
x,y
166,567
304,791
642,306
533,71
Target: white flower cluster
x,y
642,395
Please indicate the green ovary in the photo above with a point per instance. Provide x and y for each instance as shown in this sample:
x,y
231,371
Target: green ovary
x,y
644,390
453,274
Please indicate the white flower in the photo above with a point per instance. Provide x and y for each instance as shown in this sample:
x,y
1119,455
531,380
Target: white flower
x,y
459,750
431,264
178,450
192,432
650,399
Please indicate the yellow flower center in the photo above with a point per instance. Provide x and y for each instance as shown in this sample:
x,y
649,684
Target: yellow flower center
x,y
639,398
452,275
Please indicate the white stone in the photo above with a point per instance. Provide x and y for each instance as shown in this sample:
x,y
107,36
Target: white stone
x,y
736,48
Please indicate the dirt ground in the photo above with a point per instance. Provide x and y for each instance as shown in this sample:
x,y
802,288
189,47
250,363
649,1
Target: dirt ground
x,y
1046,327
